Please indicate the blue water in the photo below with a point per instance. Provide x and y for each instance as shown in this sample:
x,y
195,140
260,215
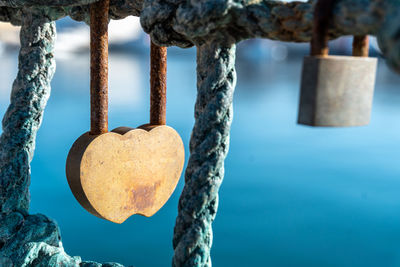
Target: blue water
x,y
292,195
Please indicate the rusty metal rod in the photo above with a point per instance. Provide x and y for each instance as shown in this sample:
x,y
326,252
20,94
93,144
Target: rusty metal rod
x,y
322,19
158,84
361,46
99,67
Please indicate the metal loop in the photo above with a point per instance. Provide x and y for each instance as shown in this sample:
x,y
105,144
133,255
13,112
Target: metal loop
x,y
99,67
322,18
323,14
158,84
361,46
99,73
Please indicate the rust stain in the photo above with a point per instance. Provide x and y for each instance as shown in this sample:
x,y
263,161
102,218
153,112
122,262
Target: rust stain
x,y
142,197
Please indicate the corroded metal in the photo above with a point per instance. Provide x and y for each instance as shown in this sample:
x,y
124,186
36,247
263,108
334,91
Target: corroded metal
x,y
361,46
322,19
158,84
127,171
124,172
99,67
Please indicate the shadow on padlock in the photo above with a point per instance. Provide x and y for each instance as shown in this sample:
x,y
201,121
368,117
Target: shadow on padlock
x,y
336,91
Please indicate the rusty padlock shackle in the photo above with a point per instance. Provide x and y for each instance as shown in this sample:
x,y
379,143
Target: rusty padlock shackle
x,y
99,73
126,171
323,14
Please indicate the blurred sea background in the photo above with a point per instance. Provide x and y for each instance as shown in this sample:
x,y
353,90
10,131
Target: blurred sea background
x,y
291,196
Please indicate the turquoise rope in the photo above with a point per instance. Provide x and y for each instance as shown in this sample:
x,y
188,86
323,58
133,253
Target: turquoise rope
x,y
209,143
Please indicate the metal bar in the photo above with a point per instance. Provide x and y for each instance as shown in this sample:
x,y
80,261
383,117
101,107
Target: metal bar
x,y
158,84
361,46
99,67
322,19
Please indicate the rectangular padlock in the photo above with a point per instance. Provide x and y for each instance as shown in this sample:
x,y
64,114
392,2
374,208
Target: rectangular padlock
x,y
336,91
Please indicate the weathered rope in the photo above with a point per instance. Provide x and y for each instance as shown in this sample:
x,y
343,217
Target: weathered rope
x,y
389,39
183,22
45,3
34,239
29,95
186,23
28,240
198,204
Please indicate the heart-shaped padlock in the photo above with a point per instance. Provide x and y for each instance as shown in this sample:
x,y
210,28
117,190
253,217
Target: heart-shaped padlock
x,y
127,171
335,90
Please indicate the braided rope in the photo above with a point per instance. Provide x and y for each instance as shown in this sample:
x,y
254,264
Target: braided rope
x,y
30,92
35,239
28,240
186,23
198,204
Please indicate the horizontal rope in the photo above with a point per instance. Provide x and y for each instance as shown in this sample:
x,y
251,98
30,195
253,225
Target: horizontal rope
x,y
45,3
186,23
